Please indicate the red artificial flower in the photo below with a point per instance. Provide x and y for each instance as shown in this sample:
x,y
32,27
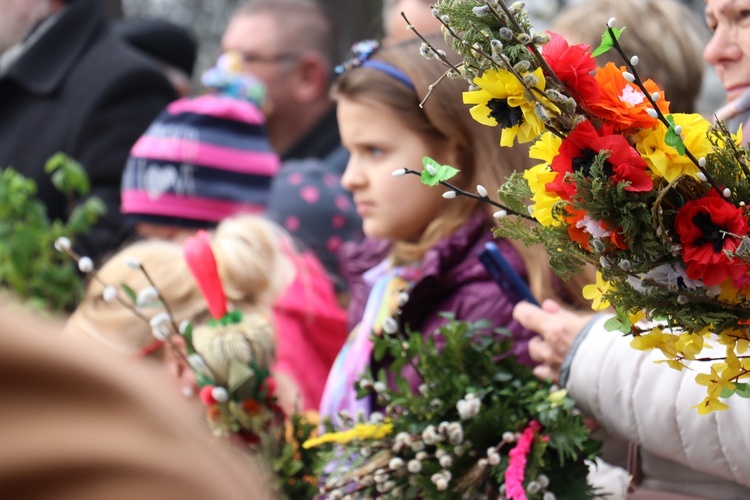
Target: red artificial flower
x,y
573,64
251,406
579,233
268,386
622,104
578,151
213,414
206,395
704,227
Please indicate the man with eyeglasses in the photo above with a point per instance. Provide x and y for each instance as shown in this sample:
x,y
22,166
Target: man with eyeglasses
x,y
292,47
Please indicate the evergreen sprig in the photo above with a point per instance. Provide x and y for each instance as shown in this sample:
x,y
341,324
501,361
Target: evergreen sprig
x,y
462,362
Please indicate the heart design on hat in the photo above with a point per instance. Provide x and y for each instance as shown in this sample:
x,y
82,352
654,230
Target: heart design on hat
x,y
159,179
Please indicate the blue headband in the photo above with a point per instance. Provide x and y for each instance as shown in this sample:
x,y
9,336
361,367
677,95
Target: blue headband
x,y
390,70
362,52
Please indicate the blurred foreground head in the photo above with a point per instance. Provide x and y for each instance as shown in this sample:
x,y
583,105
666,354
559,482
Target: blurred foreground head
x,y
81,425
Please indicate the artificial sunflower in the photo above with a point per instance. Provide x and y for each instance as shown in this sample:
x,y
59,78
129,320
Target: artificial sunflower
x,y
502,100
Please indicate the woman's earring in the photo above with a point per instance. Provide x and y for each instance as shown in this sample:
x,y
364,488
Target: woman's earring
x,y
188,391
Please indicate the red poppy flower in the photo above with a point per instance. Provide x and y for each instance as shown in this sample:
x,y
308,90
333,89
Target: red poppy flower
x,y
579,150
704,226
573,64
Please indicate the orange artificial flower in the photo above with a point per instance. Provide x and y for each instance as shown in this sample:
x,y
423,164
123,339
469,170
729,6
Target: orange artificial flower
x,y
622,104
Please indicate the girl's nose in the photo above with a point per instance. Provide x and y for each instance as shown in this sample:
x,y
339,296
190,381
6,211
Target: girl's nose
x,y
352,178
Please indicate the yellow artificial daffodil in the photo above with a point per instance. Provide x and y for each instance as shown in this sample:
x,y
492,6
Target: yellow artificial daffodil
x,y
545,149
665,161
359,431
596,291
501,100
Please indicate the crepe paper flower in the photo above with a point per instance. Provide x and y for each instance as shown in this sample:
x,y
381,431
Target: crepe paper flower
x,y
671,275
709,405
500,100
573,65
664,160
581,228
708,228
516,470
545,148
202,263
622,104
579,151
542,200
595,292
360,431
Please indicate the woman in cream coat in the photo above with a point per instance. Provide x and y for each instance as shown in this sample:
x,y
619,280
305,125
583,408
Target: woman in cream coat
x,y
634,399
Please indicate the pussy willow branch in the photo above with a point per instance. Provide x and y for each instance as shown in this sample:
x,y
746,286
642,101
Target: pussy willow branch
x,y
163,300
74,255
532,46
468,194
662,118
533,91
438,54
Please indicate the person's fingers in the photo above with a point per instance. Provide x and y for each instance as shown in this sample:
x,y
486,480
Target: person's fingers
x,y
551,306
530,316
539,350
545,372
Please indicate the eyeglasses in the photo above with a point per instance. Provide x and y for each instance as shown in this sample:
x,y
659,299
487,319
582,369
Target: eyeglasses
x,y
253,58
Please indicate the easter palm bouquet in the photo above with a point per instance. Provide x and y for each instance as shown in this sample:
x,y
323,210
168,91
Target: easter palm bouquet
x,y
481,425
230,354
654,200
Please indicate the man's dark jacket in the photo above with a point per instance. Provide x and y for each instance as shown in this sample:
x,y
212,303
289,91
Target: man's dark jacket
x,y
79,90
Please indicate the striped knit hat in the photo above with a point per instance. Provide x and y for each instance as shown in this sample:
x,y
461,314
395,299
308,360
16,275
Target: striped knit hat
x,y
201,160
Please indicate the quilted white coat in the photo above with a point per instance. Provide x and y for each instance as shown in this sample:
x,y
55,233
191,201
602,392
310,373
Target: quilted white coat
x,y
635,399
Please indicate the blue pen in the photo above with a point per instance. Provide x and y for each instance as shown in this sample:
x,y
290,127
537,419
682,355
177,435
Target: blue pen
x,y
504,274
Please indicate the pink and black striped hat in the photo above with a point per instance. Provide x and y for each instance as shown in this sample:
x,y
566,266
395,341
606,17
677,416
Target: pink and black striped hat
x,y
202,160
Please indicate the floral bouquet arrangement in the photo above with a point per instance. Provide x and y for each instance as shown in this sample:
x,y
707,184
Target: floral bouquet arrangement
x,y
655,201
230,355
480,426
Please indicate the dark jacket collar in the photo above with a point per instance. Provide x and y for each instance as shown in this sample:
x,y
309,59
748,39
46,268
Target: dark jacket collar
x,y
43,67
319,141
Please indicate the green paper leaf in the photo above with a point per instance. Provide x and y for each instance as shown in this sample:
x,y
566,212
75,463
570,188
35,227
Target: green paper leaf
x,y
129,292
613,324
742,390
607,41
442,172
672,139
